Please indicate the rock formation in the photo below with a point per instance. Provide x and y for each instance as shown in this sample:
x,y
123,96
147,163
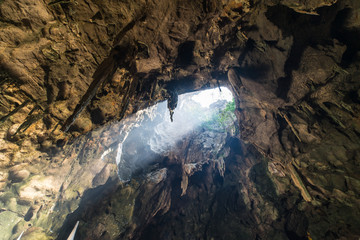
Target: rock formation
x,y
74,73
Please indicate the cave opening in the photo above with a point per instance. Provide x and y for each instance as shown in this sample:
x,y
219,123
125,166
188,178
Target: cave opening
x,y
152,134
95,131
147,147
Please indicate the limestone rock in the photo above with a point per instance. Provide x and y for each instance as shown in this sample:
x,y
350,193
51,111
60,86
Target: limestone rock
x,y
18,176
293,67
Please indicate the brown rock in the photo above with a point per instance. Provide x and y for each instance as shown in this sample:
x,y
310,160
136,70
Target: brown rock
x,y
2,186
12,130
45,145
102,176
64,90
288,61
82,124
3,176
17,175
4,159
24,201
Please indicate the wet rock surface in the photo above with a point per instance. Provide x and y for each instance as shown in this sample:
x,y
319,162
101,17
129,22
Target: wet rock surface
x,y
70,69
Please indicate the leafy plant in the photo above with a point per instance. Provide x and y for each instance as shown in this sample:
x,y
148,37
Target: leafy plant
x,y
224,120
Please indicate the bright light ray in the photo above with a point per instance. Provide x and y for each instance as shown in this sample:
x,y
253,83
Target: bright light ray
x,y
154,133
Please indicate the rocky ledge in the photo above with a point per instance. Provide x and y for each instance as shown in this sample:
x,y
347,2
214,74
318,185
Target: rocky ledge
x,y
70,70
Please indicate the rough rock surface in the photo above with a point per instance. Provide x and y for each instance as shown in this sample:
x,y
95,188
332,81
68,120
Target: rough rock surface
x,y
70,69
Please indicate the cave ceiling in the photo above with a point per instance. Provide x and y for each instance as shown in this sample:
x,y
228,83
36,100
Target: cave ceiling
x,y
76,77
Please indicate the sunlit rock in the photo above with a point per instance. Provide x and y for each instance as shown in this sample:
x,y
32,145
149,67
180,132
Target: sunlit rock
x,y
105,119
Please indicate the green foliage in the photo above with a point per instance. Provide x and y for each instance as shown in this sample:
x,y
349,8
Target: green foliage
x,y
230,107
224,120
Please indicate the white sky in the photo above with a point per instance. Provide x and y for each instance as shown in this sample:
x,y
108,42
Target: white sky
x,y
206,97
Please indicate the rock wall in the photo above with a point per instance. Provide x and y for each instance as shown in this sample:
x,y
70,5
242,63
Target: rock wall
x,y
70,69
